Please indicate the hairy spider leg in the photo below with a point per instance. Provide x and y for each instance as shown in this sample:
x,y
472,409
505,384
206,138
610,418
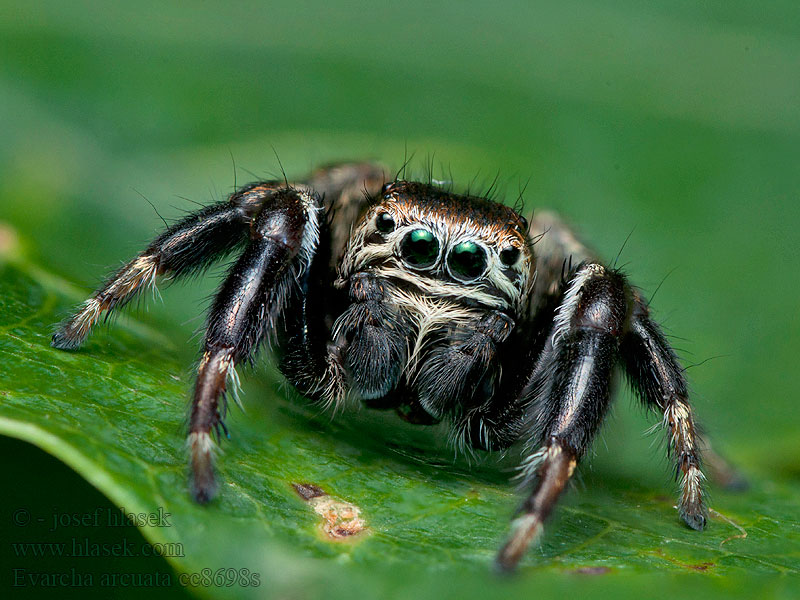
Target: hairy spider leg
x,y
653,370
188,246
283,238
656,375
650,363
568,395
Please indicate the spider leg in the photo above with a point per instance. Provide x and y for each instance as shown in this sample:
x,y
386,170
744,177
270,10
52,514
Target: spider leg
x,y
283,239
658,379
189,246
652,367
557,464
568,395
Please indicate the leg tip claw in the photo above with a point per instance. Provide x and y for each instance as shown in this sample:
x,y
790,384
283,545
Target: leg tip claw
x,y
204,492
503,565
61,341
696,521
203,496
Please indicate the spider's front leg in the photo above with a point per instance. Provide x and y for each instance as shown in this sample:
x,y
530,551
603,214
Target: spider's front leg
x,y
569,394
187,247
283,239
599,321
283,225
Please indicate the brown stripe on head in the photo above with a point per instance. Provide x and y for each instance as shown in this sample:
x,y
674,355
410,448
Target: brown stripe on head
x,y
494,222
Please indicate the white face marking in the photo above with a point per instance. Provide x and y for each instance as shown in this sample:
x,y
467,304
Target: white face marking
x,y
429,316
436,288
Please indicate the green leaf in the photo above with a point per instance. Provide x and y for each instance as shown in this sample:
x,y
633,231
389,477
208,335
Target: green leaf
x,y
677,119
113,411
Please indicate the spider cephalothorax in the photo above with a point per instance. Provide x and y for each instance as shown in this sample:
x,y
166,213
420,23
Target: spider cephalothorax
x,y
441,306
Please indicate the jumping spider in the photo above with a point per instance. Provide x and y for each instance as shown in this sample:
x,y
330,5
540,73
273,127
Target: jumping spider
x,y
440,306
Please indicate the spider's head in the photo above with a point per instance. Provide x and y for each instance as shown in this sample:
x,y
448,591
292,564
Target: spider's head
x,y
444,245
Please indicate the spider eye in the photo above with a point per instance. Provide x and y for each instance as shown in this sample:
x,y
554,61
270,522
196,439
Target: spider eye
x,y
420,248
467,260
384,222
509,256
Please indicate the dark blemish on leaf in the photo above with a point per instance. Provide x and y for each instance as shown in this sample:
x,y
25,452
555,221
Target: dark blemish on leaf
x,y
340,520
307,491
592,571
705,566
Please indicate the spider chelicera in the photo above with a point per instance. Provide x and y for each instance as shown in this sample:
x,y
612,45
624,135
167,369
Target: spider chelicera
x,y
441,306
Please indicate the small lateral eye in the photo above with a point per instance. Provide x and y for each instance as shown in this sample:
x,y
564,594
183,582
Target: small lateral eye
x,y
467,260
509,256
384,222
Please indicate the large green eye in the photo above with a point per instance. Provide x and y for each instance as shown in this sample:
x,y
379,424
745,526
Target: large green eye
x,y
467,261
420,248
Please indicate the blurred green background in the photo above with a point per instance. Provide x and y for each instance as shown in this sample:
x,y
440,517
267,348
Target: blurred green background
x,y
678,121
